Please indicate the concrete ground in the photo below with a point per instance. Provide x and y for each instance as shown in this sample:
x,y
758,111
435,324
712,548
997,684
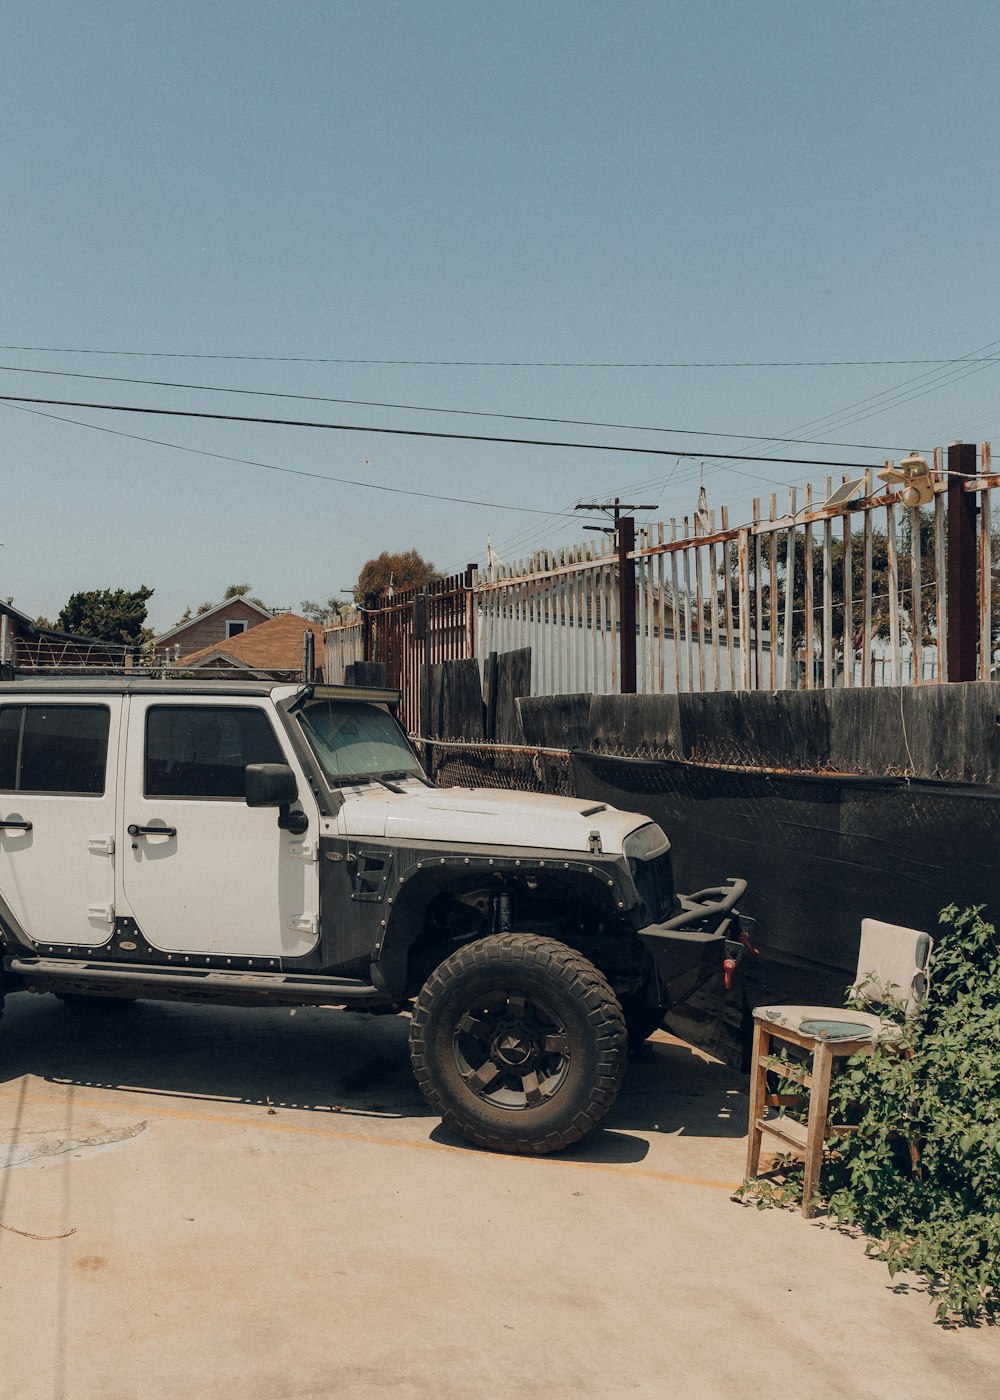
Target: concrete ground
x,y
257,1204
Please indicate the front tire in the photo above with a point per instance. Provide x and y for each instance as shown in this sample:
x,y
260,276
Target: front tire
x,y
519,1043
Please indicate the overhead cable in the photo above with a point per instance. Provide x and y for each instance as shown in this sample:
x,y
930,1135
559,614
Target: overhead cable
x,y
427,408
417,432
488,364
295,471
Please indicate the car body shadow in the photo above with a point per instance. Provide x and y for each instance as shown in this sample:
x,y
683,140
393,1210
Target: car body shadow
x,y
326,1061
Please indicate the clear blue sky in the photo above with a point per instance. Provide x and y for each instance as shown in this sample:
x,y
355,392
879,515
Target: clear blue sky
x,y
643,181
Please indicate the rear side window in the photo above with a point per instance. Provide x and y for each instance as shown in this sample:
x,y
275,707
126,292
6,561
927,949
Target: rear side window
x,y
54,748
202,750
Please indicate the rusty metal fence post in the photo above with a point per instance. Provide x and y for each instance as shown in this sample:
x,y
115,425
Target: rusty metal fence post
x,y
368,605
963,598
626,604
422,638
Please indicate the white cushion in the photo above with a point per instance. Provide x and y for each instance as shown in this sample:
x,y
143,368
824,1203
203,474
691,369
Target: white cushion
x,y
891,963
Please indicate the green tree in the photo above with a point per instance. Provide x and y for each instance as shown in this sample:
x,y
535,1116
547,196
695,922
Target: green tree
x,y
879,585
242,590
324,613
399,572
110,615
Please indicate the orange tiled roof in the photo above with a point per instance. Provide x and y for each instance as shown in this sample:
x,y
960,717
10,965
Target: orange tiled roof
x,y
270,646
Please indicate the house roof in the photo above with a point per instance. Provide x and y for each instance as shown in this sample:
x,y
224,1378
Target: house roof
x,y
16,614
53,634
219,607
275,645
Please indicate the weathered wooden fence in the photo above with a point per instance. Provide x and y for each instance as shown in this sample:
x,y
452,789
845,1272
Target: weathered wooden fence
x,y
343,645
811,593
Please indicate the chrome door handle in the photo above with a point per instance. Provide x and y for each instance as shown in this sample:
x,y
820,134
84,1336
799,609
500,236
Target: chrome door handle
x,y
135,830
13,825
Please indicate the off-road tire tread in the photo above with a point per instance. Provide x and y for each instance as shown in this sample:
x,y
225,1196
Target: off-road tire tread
x,y
580,977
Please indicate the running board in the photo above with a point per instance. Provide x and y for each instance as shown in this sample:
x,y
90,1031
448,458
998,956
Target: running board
x,y
278,988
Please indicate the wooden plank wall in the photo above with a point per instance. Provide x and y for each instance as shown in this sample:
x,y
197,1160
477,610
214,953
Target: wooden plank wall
x,y
513,681
948,731
456,701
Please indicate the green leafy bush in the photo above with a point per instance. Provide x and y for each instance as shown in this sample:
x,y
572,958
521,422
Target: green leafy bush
x,y
921,1175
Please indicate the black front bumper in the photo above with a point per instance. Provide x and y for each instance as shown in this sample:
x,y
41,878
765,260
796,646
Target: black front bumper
x,y
692,945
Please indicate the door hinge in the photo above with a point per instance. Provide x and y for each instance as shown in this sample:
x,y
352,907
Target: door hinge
x,y
105,913
304,923
304,850
101,845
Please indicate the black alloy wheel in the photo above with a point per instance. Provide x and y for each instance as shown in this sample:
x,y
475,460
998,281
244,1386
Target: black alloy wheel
x,y
512,1050
519,1043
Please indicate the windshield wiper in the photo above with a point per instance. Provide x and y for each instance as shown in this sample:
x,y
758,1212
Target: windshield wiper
x,y
357,779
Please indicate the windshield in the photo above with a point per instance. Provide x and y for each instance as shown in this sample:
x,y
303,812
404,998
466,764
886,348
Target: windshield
x,y
356,741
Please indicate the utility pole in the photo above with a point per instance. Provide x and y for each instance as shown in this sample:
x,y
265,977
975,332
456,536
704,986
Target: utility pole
x,y
624,533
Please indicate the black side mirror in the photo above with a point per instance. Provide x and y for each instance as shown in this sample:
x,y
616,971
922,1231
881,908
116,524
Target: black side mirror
x,y
274,785
269,784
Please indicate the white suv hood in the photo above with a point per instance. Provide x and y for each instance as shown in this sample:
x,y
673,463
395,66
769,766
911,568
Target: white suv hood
x,y
484,817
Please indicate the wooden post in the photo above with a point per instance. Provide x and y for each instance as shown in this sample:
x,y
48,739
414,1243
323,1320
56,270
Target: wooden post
x,y
492,681
469,584
745,623
963,598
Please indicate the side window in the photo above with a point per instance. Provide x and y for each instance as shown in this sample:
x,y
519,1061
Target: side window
x,y
54,748
10,744
202,750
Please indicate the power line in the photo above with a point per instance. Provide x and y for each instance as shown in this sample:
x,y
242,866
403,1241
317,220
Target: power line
x,y
292,471
884,399
426,408
487,364
418,432
830,422
838,417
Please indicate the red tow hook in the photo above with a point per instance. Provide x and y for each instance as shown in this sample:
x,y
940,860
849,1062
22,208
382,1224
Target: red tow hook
x,y
751,948
739,945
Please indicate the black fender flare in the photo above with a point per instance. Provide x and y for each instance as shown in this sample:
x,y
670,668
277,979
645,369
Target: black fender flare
x,y
422,873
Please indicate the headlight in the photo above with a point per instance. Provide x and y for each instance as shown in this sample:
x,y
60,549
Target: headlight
x,y
648,854
645,844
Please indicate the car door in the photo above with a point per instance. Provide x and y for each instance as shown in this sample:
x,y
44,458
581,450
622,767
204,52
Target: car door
x,y
203,873
58,768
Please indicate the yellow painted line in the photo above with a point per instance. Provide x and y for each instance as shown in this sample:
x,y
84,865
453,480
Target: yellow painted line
x,y
371,1139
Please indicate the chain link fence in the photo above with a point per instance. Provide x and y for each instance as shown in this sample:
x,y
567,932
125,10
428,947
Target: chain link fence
x,y
822,850
451,763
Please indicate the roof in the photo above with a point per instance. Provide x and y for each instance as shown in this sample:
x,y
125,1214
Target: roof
x,y
275,645
32,627
16,613
219,607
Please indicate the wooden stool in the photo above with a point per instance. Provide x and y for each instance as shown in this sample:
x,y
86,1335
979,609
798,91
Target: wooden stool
x,y
892,968
804,1140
